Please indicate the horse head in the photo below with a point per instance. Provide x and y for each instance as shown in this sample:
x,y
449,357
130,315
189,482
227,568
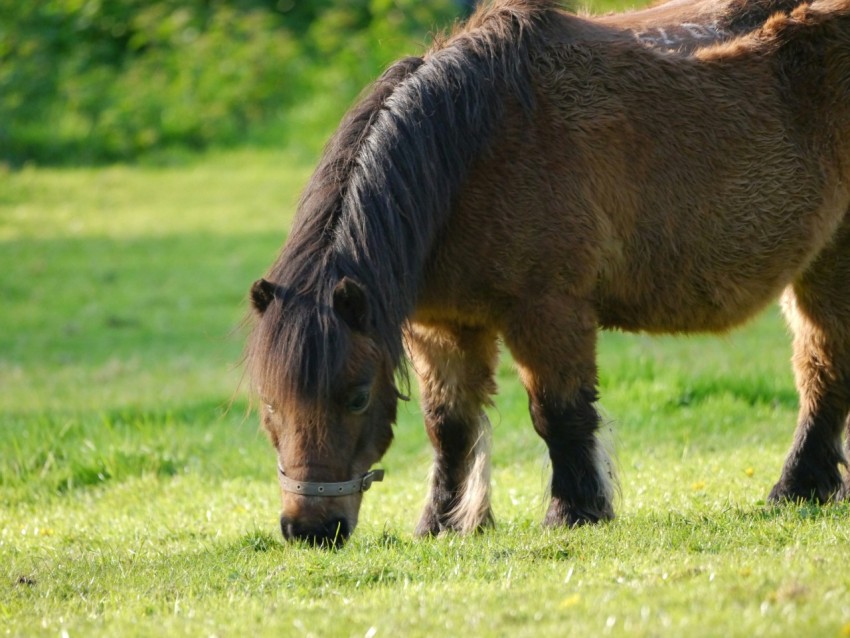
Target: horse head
x,y
329,403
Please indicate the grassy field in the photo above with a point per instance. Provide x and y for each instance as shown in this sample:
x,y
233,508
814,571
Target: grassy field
x,y
137,498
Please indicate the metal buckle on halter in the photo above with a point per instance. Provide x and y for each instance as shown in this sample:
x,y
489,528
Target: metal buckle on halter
x,y
372,476
345,488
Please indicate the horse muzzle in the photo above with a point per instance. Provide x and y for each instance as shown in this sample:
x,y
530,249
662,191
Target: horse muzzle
x,y
329,534
319,513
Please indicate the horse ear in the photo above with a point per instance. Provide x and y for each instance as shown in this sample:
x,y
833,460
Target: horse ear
x,y
350,303
262,294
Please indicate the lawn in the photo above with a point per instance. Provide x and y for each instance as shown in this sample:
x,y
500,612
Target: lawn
x,y
139,498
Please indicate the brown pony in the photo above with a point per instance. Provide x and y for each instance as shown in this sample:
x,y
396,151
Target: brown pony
x,y
534,177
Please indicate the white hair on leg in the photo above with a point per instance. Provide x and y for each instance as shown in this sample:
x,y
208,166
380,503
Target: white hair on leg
x,y
473,511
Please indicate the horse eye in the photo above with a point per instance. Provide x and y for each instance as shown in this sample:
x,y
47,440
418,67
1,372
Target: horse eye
x,y
358,402
269,408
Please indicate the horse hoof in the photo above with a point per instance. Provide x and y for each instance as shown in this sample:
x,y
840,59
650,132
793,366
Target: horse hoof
x,y
787,492
561,515
429,524
427,530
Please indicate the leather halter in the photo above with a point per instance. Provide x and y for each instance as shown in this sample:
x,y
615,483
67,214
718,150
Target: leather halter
x,y
329,489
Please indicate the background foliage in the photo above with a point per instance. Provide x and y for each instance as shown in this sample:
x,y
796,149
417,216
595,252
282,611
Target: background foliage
x,y
94,80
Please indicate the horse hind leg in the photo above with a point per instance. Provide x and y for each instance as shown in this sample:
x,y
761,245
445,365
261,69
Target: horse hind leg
x,y
555,349
455,368
817,307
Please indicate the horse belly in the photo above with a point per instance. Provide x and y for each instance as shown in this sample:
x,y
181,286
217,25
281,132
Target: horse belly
x,y
669,311
717,283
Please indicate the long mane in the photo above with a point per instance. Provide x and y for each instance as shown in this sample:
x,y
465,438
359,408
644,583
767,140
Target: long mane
x,y
382,191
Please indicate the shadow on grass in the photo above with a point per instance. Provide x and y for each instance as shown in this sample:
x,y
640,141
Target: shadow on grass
x,y
801,510
763,525
750,390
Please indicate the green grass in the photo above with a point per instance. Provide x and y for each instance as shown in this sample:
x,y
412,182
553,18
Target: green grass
x,y
136,497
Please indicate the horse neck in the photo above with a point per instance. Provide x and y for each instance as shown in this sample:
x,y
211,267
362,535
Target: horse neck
x,y
414,163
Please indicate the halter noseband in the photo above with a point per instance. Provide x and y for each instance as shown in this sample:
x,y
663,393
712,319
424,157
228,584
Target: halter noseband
x,y
329,489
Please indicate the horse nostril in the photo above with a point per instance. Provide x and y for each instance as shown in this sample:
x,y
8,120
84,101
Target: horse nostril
x,y
330,534
287,528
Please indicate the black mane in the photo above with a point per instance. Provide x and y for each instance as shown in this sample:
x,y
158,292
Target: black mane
x,y
384,187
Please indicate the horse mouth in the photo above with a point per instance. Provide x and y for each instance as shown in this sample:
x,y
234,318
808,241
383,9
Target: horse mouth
x,y
328,535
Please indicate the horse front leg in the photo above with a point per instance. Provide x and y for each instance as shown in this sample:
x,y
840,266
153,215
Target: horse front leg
x,y
555,349
817,307
582,473
455,369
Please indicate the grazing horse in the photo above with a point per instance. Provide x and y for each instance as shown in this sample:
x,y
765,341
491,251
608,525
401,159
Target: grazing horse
x,y
534,177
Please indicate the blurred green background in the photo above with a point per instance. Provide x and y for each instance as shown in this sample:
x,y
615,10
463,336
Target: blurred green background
x,y
94,81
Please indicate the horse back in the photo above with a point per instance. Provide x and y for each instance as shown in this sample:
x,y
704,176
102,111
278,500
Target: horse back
x,y
676,193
